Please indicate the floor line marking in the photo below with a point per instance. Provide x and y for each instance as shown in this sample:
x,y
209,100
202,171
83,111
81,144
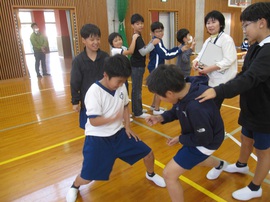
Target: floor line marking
x,y
195,185
27,93
38,121
41,150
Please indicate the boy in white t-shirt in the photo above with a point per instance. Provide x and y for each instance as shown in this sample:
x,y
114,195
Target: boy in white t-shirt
x,y
107,138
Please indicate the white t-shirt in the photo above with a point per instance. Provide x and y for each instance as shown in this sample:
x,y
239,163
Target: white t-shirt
x,y
115,51
100,101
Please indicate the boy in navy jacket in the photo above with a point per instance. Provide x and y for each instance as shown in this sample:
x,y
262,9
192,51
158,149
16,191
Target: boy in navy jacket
x,y
202,126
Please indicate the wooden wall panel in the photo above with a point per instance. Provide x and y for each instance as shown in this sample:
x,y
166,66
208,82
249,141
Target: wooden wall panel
x,y
87,11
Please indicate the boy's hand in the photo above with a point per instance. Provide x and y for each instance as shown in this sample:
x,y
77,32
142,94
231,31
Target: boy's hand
x,y
135,36
206,95
173,141
130,134
152,120
76,108
155,41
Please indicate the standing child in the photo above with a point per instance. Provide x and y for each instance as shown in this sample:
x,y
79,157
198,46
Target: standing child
x,y
183,59
253,85
87,67
106,138
138,65
158,56
202,126
116,42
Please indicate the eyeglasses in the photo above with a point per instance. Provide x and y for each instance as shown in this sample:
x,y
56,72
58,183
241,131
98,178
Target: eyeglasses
x,y
244,26
158,31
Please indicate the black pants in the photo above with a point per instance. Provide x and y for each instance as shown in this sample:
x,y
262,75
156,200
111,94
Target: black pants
x,y
40,56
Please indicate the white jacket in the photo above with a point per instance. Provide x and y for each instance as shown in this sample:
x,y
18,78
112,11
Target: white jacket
x,y
228,65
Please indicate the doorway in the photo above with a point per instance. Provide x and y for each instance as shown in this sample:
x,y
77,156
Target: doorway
x,y
58,25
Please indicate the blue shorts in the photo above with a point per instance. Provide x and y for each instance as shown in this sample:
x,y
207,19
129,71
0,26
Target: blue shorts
x,y
83,118
188,157
100,154
261,140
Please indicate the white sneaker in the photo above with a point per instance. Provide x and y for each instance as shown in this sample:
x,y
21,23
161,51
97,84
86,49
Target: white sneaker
x,y
153,108
130,120
143,116
157,112
215,173
159,181
130,115
72,194
144,110
246,194
232,168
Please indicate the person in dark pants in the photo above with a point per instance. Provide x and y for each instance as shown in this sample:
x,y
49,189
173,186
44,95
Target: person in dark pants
x,y
40,47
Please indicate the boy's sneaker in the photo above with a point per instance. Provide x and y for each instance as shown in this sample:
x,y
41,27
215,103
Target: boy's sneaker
x,y
143,116
130,120
72,194
144,110
152,108
159,181
215,173
157,112
232,168
246,194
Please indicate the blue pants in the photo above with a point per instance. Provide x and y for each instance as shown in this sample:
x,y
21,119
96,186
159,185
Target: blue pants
x,y
40,56
136,93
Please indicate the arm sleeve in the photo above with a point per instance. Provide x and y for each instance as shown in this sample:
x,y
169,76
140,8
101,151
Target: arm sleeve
x,y
229,54
165,53
257,73
75,82
147,49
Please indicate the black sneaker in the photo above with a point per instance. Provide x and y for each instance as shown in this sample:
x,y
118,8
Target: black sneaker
x,y
39,76
46,74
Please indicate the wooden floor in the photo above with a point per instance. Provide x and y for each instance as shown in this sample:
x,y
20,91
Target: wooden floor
x,y
41,143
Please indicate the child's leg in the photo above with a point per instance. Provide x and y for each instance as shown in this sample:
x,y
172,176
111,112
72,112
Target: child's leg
x,y
149,162
150,174
80,181
157,102
171,175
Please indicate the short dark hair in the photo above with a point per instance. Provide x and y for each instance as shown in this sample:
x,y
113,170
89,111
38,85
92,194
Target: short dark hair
x,y
165,78
112,36
117,66
136,18
257,11
181,34
33,24
218,16
156,25
90,30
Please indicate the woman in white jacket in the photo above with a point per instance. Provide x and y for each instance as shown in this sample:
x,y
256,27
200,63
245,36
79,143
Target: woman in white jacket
x,y
225,69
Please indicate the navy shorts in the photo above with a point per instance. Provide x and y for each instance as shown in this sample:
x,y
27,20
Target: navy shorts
x,y
261,140
100,154
188,157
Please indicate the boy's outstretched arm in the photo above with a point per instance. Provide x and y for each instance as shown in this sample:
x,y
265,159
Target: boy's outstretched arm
x,y
132,45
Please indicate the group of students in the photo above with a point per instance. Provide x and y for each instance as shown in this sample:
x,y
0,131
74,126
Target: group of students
x,y
97,82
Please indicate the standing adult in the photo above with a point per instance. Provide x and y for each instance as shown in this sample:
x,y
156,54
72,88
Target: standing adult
x,y
40,47
225,69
